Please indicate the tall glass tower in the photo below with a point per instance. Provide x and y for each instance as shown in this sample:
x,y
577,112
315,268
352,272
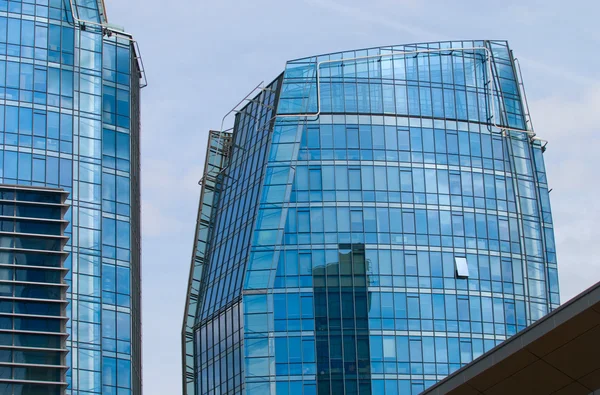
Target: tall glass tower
x,y
374,220
69,120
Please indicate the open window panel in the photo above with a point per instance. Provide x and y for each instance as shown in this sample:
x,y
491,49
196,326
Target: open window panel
x,y
462,267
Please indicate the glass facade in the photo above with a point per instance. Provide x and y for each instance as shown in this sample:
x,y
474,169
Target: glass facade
x,y
33,292
381,218
69,119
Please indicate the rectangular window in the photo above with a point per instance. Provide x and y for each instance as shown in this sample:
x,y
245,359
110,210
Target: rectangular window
x,y
356,218
462,268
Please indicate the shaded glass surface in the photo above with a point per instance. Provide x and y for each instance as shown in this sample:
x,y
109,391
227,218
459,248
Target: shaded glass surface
x,y
214,163
388,169
33,296
69,120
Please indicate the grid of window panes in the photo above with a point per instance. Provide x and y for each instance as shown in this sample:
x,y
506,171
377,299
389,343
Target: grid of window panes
x,y
405,171
89,10
66,115
32,291
229,241
404,162
214,163
239,197
136,230
546,231
117,253
219,350
449,80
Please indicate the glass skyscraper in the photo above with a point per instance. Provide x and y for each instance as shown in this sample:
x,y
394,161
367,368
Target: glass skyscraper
x,y
374,220
69,120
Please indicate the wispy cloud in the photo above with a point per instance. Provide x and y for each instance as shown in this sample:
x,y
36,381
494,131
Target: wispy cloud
x,y
365,15
556,71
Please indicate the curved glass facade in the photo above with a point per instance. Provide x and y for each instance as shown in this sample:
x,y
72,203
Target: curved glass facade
x,y
69,119
401,225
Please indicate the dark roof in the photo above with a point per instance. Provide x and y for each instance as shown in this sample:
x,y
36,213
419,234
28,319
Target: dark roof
x,y
559,354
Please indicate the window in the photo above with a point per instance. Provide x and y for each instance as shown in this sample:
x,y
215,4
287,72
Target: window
x,y
462,268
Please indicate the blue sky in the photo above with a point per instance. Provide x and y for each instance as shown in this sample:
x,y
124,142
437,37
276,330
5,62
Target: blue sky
x,y
202,57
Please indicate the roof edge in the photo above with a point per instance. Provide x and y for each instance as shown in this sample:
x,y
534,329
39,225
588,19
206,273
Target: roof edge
x,y
521,339
387,47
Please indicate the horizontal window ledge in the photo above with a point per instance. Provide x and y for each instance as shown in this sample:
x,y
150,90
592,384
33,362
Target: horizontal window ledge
x,y
37,219
39,204
17,298
54,268
19,249
32,203
27,188
19,315
62,334
15,282
25,348
61,383
47,236
33,365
